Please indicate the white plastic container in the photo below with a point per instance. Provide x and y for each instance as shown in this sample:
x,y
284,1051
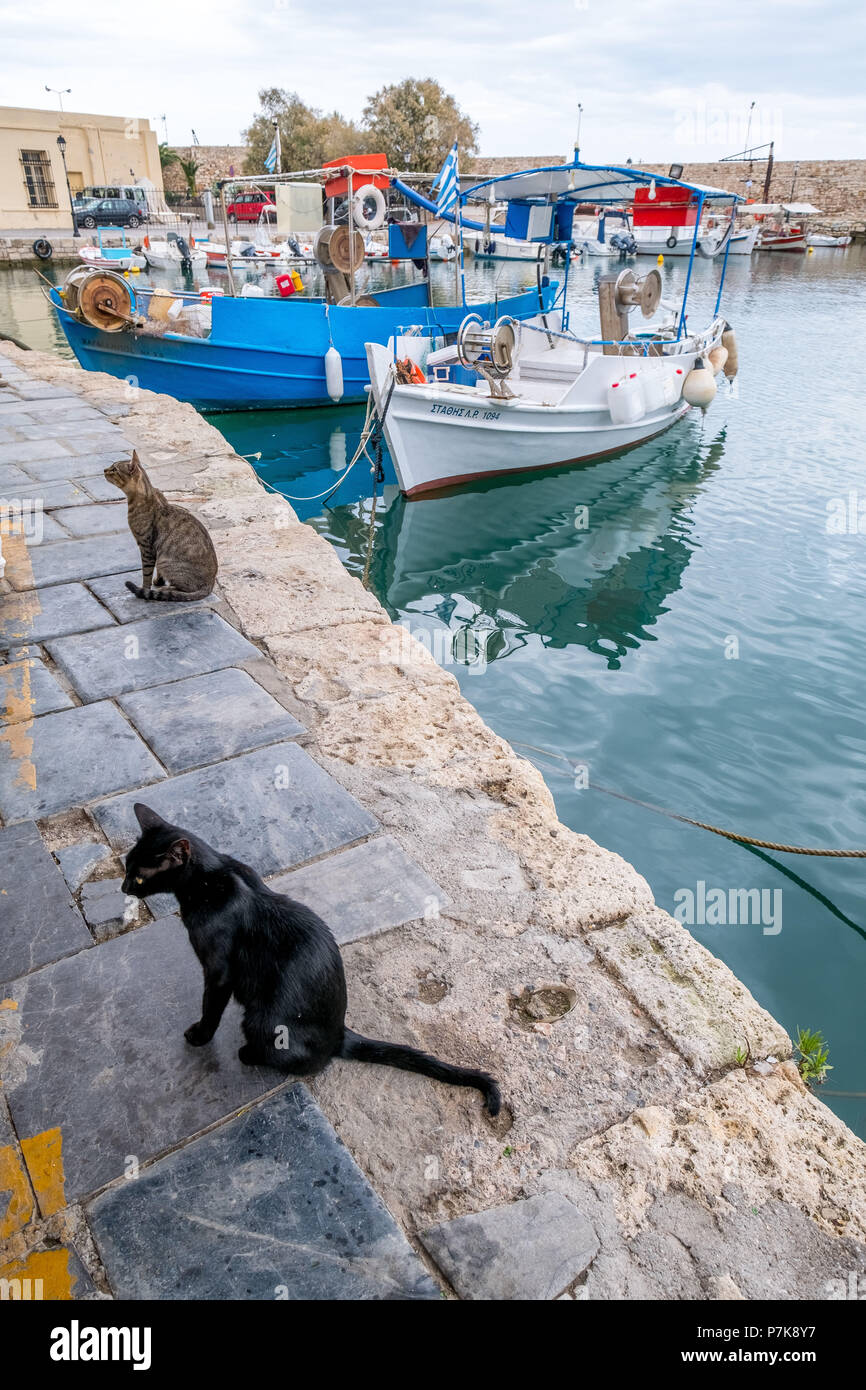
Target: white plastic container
x,y
652,384
625,400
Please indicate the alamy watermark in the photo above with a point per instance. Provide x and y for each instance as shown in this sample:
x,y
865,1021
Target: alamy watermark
x,y
732,907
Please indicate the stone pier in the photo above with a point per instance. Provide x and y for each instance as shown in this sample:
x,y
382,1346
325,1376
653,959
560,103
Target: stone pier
x,y
289,723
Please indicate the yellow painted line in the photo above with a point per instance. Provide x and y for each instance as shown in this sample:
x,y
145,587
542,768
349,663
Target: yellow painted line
x,y
17,698
17,736
13,1185
43,1155
48,1272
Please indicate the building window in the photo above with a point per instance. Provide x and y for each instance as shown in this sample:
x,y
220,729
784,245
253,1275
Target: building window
x,y
38,179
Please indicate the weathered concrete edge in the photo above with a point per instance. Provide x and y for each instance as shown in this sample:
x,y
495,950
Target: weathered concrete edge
x,y
378,705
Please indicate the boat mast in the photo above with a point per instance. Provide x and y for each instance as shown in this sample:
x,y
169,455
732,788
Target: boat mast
x,y
225,218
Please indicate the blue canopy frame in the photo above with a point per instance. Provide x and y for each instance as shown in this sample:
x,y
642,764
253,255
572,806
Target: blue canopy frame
x,y
601,184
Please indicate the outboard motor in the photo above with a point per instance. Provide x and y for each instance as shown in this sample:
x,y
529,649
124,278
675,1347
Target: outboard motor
x,y
185,255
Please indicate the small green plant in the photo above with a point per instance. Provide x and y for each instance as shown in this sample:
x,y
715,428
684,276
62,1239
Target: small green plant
x,y
813,1053
743,1055
507,1151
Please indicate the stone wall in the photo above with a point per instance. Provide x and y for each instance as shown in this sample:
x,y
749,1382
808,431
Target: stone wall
x,y
214,162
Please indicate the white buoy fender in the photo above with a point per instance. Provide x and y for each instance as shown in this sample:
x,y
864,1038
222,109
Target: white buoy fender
x,y
718,357
699,387
369,207
729,341
334,374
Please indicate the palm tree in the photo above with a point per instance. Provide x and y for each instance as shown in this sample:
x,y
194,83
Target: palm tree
x,y
167,156
189,168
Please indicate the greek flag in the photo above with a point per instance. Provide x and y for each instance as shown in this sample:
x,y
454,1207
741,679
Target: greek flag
x,y
447,182
271,157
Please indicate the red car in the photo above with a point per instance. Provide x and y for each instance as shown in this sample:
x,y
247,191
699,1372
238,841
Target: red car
x,y
249,205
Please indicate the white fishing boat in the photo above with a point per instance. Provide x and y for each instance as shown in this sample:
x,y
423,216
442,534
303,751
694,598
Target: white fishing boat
x,y
499,247
820,240
511,397
441,247
175,253
120,258
783,229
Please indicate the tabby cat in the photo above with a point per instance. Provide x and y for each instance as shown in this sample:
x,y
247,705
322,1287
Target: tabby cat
x,y
178,561
276,956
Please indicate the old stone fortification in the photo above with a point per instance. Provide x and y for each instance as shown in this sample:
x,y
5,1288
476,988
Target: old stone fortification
x,y
836,186
702,1178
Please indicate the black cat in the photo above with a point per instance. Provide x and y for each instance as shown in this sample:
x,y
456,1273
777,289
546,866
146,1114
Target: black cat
x,y
276,957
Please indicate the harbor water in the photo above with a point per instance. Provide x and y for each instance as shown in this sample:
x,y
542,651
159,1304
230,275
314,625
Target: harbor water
x,y
679,629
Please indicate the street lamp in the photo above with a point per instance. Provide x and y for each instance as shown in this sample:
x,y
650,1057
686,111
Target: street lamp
x,y
60,93
577,141
61,145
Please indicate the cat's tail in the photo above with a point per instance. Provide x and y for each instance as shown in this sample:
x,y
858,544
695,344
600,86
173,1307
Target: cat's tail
x,y
167,593
355,1048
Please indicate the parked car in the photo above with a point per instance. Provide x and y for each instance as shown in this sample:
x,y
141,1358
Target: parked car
x,y
248,205
118,212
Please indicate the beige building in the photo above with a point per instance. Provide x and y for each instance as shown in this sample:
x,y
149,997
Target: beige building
x,y
100,151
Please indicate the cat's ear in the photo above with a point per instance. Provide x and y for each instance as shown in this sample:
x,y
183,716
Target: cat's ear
x,y
147,819
178,853
134,462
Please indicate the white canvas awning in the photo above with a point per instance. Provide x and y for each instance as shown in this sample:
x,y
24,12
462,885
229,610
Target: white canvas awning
x,y
583,183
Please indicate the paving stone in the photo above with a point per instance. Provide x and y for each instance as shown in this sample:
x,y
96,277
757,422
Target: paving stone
x,y
272,809
126,607
28,450
77,559
368,889
38,777
36,615
102,1055
115,410
197,721
28,690
53,429
14,481
98,519
77,466
107,910
100,489
77,861
39,527
147,653
268,1205
94,437
36,390
39,922
527,1250
55,495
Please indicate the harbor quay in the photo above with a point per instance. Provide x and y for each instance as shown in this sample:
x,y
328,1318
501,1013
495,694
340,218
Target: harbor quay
x,y
656,1139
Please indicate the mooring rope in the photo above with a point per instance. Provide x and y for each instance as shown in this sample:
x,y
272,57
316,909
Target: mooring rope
x,y
699,824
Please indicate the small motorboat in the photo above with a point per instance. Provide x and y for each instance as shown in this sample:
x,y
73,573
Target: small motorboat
x,y
778,231
111,257
515,396
820,240
175,253
441,247
243,255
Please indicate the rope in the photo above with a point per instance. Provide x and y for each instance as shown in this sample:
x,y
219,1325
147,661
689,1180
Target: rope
x,y
700,824
367,432
378,473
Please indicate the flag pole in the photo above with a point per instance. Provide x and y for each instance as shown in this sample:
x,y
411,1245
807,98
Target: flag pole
x,y
279,167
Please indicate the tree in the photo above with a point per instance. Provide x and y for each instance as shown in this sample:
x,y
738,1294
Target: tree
x,y
167,156
189,167
415,122
307,137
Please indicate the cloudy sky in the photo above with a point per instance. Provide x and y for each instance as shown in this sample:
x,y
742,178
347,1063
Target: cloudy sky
x,y
657,79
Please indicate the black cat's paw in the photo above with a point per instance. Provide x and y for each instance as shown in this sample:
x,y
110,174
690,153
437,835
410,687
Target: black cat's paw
x,y
248,1056
197,1034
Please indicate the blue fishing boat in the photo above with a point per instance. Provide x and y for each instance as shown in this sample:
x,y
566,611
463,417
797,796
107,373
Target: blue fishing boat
x,y
270,353
242,351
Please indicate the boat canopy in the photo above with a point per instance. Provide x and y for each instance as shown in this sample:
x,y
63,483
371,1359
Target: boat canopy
x,y
582,183
775,209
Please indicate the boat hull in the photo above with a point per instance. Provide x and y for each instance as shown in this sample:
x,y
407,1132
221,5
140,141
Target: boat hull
x,y
437,440
269,354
